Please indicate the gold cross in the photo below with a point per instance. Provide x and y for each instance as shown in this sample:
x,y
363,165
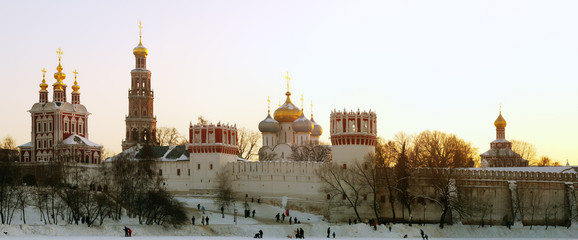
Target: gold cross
x,y
140,31
288,78
43,74
268,105
59,52
301,102
75,72
311,108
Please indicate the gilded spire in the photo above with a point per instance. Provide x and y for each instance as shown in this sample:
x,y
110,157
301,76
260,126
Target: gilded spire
x,y
268,106
288,78
139,33
43,85
500,121
75,87
302,102
311,109
140,50
59,76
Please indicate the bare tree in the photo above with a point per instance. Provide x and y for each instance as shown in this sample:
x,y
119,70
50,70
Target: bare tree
x,y
310,152
247,142
369,170
225,195
169,136
529,205
344,187
525,149
8,143
266,154
545,161
386,156
439,149
446,196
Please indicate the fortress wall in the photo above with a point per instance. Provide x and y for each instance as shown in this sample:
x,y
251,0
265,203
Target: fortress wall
x,y
173,181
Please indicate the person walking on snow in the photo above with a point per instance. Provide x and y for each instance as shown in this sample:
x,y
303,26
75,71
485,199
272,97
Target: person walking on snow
x,y
207,220
203,220
253,212
421,232
277,217
282,217
328,231
193,220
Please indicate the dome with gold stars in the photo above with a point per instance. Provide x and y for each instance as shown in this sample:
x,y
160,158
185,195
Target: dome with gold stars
x,y
287,112
500,121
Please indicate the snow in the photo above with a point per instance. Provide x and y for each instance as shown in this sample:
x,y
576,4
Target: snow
x,y
76,140
315,227
28,144
562,169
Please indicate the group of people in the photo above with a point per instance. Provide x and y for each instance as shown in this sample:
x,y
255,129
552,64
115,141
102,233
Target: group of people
x,y
423,235
127,232
204,219
299,233
281,218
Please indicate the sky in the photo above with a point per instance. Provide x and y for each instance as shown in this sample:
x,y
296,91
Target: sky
x,y
438,65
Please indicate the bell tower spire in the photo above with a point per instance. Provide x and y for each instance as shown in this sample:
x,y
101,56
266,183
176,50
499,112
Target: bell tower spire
x,y
140,120
75,88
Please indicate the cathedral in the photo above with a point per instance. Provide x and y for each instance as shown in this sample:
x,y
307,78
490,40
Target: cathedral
x,y
287,129
501,153
59,128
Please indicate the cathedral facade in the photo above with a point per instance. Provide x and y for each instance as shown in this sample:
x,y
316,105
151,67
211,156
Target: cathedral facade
x,y
59,128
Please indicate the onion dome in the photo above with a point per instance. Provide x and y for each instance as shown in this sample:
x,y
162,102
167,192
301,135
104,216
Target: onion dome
x,y
287,112
500,122
75,87
302,124
317,129
140,50
269,125
59,76
43,85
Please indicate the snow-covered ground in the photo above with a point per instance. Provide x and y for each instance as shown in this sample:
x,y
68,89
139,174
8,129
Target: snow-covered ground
x,y
314,226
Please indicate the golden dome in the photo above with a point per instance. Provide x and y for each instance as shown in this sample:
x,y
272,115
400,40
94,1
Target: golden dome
x,y
500,122
287,112
59,76
140,50
75,87
43,85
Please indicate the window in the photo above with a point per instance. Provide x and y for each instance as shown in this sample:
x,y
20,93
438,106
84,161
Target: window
x,y
160,172
178,172
343,196
211,167
198,166
344,166
328,197
189,172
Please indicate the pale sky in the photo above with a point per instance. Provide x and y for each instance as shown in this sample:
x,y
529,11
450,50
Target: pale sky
x,y
439,65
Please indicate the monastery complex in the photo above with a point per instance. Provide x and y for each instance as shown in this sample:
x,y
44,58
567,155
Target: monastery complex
x,y
504,191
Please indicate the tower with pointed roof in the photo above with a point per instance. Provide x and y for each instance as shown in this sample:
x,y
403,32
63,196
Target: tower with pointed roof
x,y
140,121
59,128
501,153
